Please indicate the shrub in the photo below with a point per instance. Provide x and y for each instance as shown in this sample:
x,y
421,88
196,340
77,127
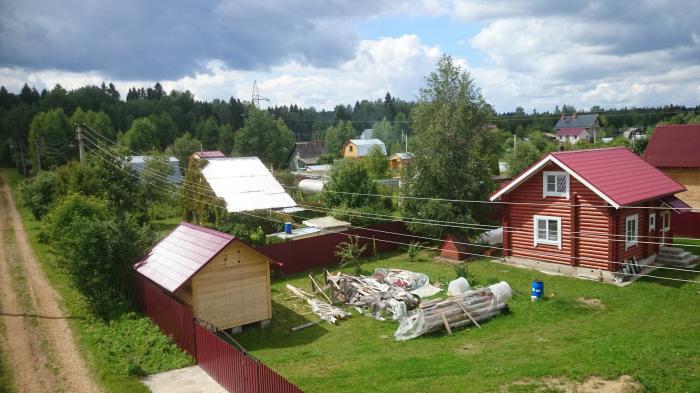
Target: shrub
x,y
413,250
349,253
38,193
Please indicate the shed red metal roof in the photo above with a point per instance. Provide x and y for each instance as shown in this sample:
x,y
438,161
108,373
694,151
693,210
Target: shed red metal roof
x,y
181,254
674,146
616,174
570,131
209,154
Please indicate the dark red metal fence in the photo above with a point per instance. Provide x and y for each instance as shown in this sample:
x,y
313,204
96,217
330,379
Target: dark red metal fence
x,y
234,370
172,317
686,224
300,255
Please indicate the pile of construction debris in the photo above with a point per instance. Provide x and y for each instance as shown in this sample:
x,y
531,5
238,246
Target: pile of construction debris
x,y
465,309
327,312
370,293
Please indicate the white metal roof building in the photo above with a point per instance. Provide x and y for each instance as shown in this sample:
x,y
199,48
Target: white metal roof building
x,y
364,146
139,164
245,184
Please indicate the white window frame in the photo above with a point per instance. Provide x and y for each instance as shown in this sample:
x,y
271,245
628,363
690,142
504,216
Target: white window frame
x,y
631,243
536,240
652,222
546,193
665,221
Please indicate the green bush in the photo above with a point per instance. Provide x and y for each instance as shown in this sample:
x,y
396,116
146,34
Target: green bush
x,y
38,193
97,248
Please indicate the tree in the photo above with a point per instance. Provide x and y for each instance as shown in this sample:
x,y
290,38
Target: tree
x,y
142,136
98,121
166,129
183,148
377,163
348,182
264,137
449,139
521,156
38,193
336,137
156,187
51,133
226,139
350,252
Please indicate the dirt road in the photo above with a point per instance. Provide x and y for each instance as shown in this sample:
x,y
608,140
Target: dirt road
x,y
34,333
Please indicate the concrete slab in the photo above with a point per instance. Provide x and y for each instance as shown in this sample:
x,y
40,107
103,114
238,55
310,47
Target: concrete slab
x,y
184,380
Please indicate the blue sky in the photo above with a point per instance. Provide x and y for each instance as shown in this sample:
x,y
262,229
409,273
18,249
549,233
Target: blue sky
x,y
530,53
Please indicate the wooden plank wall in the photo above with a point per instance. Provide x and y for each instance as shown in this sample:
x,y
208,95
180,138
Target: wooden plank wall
x,y
585,249
690,178
234,288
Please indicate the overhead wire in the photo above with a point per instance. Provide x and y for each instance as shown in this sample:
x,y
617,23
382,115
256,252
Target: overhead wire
x,y
536,253
451,224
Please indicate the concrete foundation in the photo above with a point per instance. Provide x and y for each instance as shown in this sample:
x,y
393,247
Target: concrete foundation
x,y
578,271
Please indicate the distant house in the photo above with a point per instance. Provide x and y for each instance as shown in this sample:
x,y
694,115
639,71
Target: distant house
x,y
223,280
207,154
304,154
367,133
398,160
675,150
358,148
586,212
245,184
576,128
139,164
633,133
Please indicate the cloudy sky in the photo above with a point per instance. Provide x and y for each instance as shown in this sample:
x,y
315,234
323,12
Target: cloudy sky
x,y
535,54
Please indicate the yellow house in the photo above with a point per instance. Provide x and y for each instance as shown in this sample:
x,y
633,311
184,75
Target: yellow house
x,y
358,148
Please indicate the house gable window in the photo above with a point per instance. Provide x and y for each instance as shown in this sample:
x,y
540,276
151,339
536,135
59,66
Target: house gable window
x,y
555,184
547,230
350,148
652,222
631,229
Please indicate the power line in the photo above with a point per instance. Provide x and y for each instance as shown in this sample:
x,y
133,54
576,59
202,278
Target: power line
x,y
409,220
536,253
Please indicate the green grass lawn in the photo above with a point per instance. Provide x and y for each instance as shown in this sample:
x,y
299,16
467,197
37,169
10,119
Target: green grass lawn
x,y
690,245
649,330
116,351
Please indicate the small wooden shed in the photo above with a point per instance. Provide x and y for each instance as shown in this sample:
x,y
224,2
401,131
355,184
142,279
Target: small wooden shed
x,y
225,281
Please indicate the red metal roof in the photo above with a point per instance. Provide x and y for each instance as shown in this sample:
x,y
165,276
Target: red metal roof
x,y
674,146
570,131
616,174
181,254
210,154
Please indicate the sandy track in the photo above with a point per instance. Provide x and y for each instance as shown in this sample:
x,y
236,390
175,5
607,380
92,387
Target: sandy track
x,y
39,344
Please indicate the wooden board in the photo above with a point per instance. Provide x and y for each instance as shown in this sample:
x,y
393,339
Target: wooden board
x,y
234,288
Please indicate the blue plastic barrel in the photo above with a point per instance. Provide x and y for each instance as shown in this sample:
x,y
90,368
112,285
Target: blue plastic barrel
x,y
287,227
537,289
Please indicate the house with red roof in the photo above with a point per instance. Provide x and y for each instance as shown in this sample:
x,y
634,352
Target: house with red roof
x,y
588,212
224,281
675,150
575,128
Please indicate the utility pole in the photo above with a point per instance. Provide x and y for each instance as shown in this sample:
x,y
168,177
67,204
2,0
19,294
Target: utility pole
x,y
81,146
14,155
515,138
38,155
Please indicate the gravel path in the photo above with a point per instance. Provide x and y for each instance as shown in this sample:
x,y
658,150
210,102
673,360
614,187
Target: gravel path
x,y
36,338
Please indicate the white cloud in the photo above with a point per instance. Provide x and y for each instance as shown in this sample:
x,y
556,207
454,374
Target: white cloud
x,y
396,65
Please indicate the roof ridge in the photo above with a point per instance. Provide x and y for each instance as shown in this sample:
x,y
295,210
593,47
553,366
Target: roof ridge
x,y
210,231
589,150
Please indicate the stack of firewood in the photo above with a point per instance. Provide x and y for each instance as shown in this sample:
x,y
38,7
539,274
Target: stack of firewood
x,y
466,309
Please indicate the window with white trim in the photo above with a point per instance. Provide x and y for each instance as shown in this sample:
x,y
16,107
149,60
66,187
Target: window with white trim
x,y
631,230
652,222
547,230
555,184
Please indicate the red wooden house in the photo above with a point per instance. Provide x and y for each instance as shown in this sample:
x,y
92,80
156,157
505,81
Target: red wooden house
x,y
588,210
